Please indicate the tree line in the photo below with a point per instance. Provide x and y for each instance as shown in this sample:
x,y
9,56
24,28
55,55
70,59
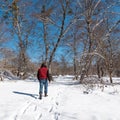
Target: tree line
x,y
79,37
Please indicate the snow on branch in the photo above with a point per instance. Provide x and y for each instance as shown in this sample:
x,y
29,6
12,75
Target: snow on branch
x,y
97,4
70,25
97,24
110,30
93,53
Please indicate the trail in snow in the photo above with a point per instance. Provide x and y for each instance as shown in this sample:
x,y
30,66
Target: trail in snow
x,y
66,101
25,105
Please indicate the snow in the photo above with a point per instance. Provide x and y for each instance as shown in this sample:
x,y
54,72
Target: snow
x,y
67,100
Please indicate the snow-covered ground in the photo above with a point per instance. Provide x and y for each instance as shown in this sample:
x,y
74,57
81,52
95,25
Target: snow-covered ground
x,y
67,100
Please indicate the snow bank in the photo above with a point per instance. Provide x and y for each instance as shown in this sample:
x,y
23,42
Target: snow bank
x,y
7,75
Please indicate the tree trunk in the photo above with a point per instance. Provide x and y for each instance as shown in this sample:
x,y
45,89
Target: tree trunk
x,y
59,38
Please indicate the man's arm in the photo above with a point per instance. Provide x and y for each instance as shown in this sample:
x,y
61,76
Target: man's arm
x,y
48,76
38,74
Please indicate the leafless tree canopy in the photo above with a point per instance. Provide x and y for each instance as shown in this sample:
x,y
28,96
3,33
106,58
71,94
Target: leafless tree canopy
x,y
79,37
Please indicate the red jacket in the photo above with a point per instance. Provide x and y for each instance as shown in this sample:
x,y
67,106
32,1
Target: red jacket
x,y
42,73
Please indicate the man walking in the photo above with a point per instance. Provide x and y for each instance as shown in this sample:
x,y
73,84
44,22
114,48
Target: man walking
x,y
43,77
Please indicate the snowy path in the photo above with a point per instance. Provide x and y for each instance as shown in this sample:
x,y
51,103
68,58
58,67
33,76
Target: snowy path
x,y
20,101
66,101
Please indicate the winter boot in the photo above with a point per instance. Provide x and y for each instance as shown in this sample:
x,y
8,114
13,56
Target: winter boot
x,y
46,95
40,96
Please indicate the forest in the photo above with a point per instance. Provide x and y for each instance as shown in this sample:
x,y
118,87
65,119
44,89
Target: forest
x,y
74,37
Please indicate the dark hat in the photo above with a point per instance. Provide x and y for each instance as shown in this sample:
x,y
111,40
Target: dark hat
x,y
43,64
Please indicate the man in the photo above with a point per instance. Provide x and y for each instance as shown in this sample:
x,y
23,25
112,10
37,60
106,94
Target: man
x,y
43,77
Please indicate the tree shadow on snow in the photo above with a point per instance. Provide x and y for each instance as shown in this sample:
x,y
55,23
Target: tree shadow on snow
x,y
28,94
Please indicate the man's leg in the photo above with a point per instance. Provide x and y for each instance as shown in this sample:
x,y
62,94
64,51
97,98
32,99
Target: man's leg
x,y
41,89
46,88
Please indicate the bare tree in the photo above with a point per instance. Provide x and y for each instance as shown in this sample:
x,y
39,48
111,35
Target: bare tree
x,y
4,39
94,13
88,8
21,27
54,17
107,49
